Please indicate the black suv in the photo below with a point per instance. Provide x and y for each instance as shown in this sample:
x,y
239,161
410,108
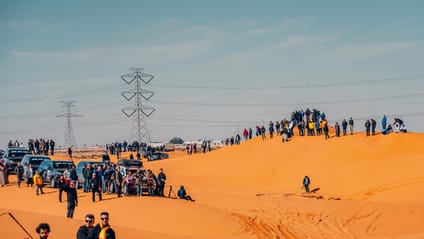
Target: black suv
x,y
157,156
130,163
13,156
51,170
34,160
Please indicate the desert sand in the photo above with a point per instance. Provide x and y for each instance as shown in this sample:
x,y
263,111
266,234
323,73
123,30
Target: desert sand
x,y
369,187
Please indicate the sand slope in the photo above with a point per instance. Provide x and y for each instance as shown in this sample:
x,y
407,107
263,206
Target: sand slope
x,y
369,188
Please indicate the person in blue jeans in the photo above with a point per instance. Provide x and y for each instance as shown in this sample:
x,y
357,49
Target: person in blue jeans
x,y
306,182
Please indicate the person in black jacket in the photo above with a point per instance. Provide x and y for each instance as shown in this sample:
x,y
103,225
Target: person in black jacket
x,y
96,187
161,180
72,197
84,230
367,127
306,182
103,229
19,171
61,184
344,127
373,125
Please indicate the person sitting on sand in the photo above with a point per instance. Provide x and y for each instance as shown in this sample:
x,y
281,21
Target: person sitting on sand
x,y
182,194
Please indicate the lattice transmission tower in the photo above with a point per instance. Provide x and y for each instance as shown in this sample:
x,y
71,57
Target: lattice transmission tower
x,y
69,133
138,112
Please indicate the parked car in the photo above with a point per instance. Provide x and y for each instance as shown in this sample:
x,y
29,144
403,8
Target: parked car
x,y
51,170
79,169
12,156
130,163
132,189
34,160
157,156
169,147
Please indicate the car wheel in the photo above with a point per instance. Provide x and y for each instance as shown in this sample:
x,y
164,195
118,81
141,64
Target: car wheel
x,y
53,182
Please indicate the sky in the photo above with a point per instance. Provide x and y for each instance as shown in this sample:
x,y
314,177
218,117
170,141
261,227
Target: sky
x,y
218,66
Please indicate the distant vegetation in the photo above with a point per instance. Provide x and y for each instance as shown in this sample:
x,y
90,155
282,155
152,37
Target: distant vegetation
x,y
176,140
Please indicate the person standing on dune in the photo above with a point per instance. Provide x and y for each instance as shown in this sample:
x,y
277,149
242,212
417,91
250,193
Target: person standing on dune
x,y
306,182
384,122
351,125
344,127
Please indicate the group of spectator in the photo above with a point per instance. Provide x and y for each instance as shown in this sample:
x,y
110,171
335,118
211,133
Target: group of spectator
x,y
314,123
118,147
38,146
191,148
111,178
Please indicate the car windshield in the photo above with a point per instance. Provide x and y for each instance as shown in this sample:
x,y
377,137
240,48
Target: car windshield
x,y
37,161
16,153
130,163
62,165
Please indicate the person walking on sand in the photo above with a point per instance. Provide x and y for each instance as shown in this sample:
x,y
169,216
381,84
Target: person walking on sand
x,y
72,198
43,230
96,187
84,230
38,181
102,230
306,182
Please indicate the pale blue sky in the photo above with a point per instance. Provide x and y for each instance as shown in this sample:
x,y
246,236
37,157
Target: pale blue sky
x,y
219,66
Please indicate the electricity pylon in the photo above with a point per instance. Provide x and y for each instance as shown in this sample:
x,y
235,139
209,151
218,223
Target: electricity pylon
x,y
69,133
138,111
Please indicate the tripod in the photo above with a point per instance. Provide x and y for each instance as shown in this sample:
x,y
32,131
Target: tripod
x,y
171,191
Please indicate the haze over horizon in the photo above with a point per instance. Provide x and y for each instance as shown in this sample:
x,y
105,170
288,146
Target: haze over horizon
x,y
218,66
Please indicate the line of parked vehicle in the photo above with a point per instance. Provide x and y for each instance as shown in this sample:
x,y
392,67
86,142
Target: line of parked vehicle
x,y
51,170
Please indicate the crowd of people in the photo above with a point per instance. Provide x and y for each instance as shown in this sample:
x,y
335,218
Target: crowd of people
x,y
314,123
38,146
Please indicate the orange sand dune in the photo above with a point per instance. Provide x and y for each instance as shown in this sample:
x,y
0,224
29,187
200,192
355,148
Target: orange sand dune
x,y
369,187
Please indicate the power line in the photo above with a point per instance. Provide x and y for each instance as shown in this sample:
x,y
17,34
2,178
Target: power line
x,y
113,87
370,99
300,86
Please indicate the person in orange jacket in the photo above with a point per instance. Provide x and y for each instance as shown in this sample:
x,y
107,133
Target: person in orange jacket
x,y
38,181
